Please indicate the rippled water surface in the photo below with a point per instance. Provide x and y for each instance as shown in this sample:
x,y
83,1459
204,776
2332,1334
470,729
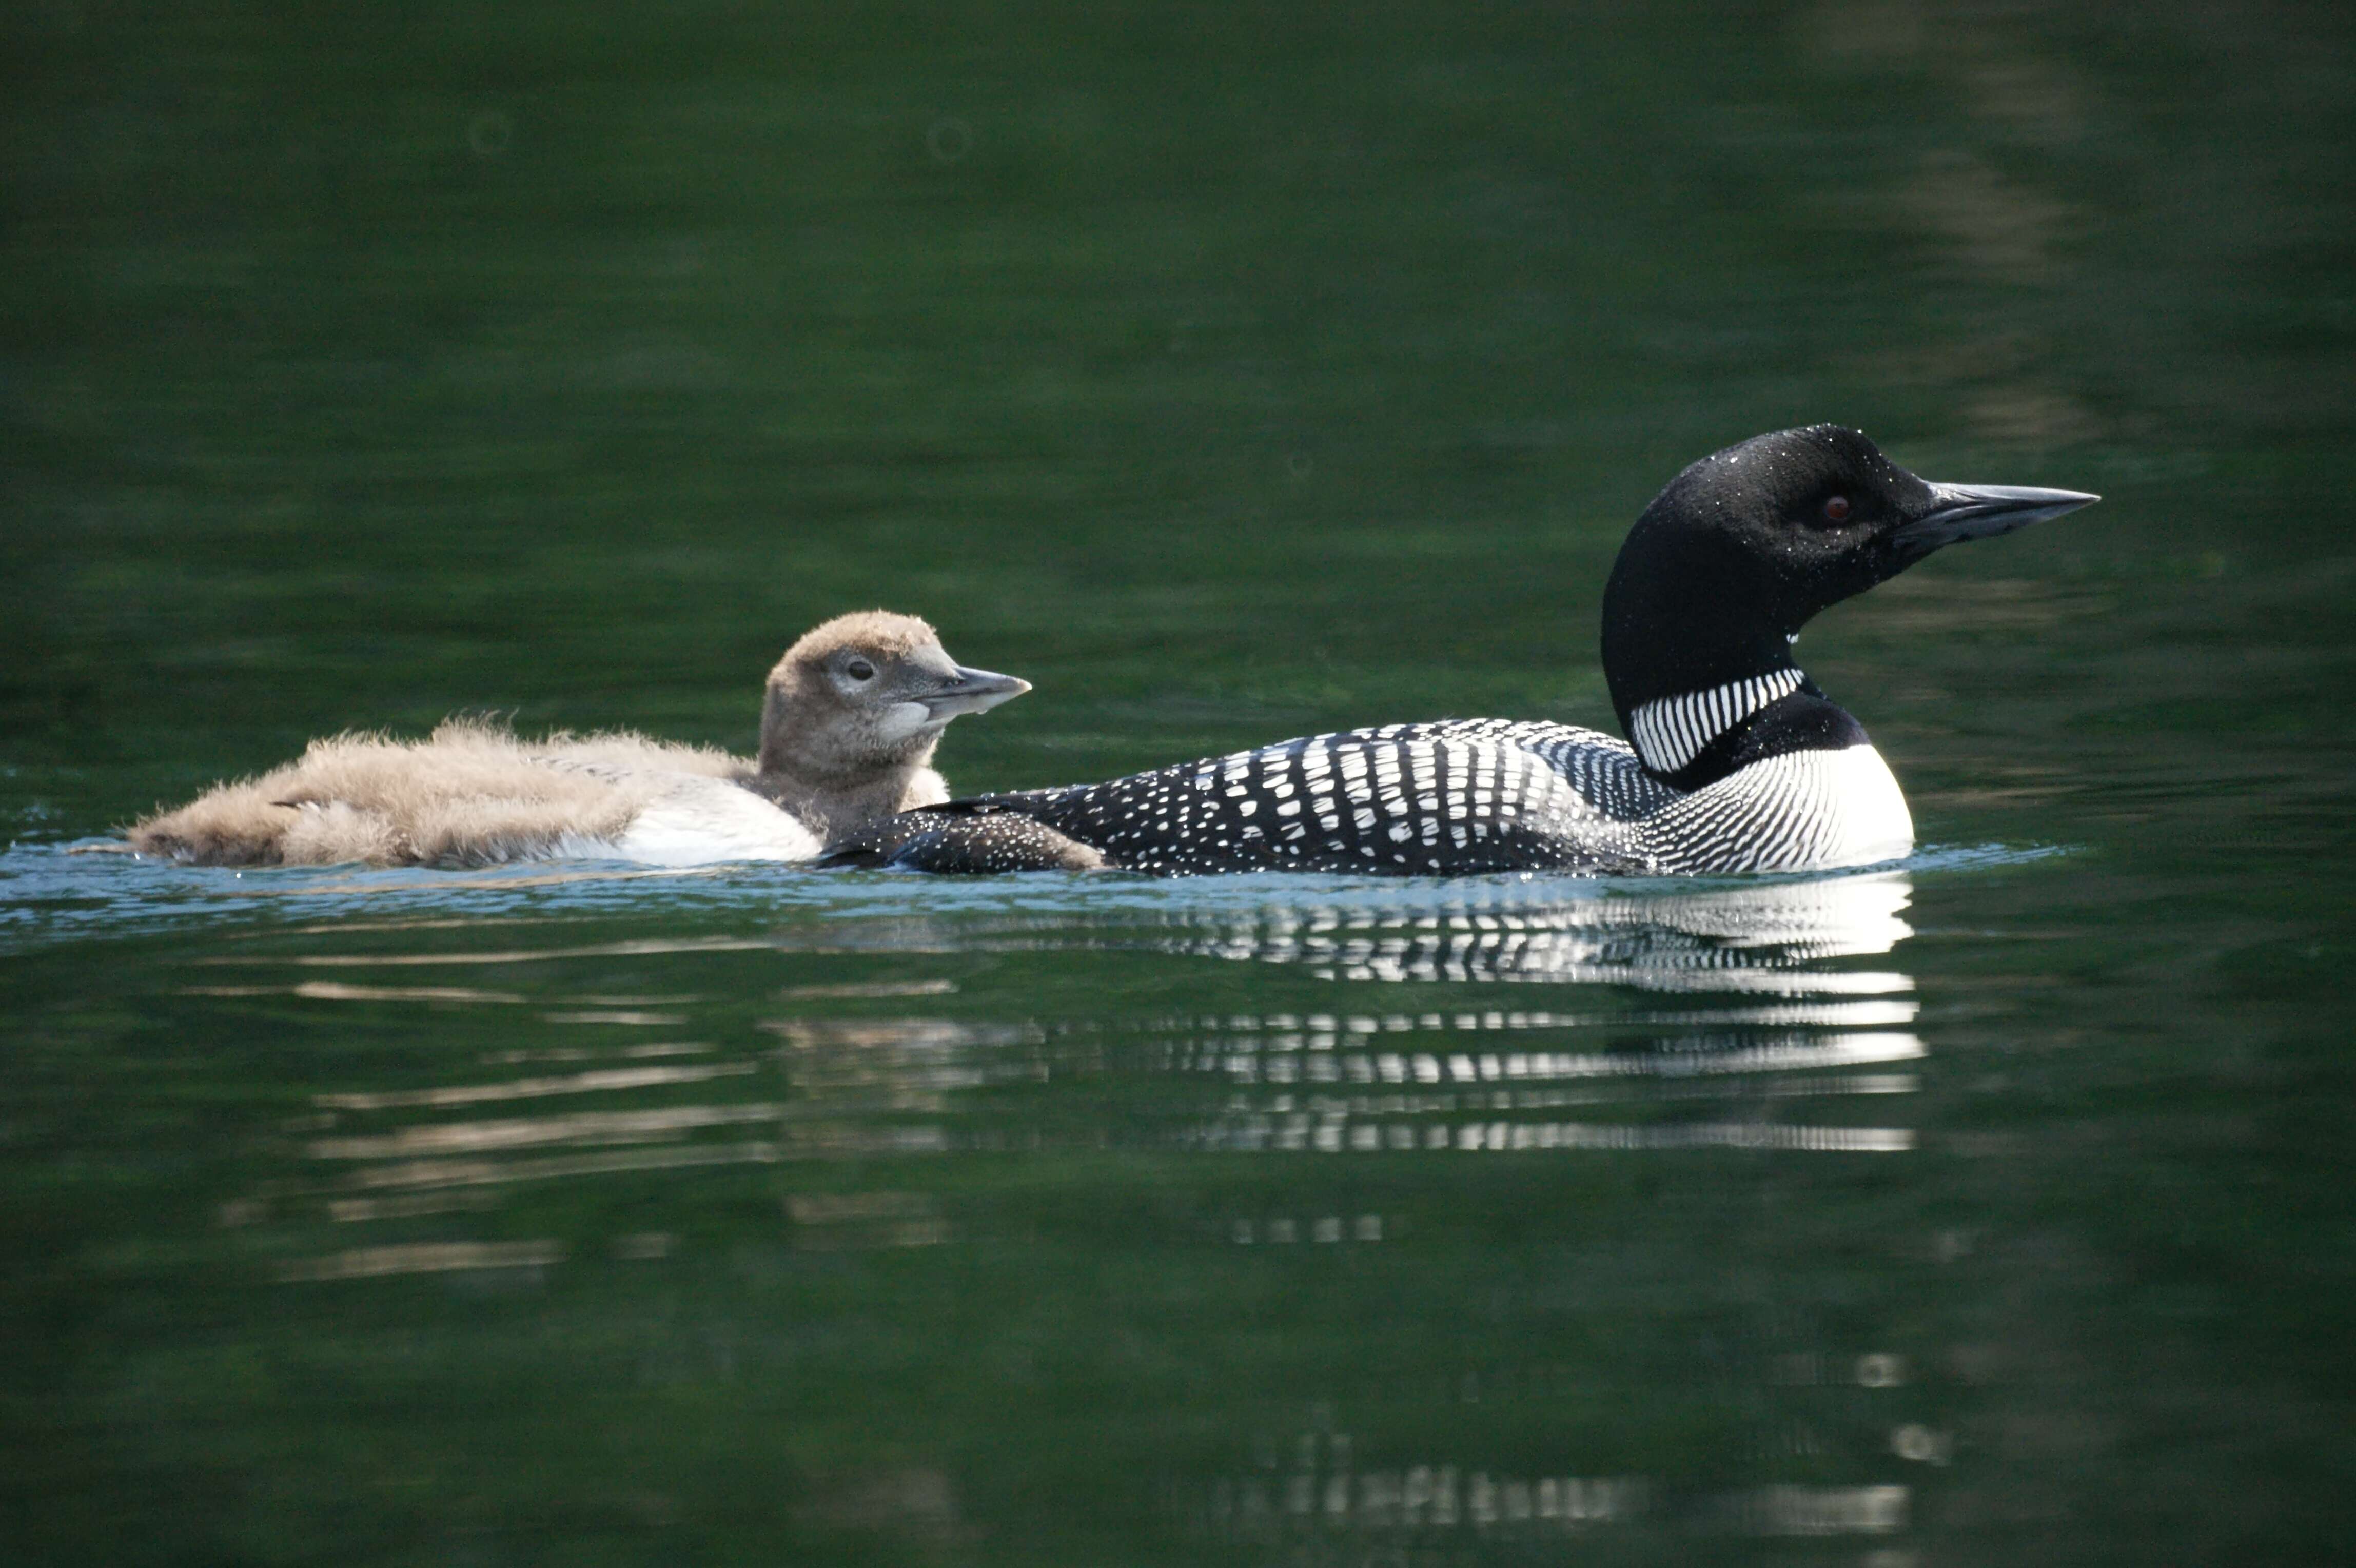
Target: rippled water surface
x,y
1230,379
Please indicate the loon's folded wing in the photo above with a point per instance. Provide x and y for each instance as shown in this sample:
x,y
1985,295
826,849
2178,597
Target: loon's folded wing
x,y
1404,800
1457,797
1603,768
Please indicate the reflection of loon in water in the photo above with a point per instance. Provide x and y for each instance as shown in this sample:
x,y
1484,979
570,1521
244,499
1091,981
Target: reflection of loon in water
x,y
1758,1020
1752,938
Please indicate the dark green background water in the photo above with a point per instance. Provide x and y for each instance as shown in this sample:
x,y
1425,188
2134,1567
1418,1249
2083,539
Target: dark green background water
x,y
1230,373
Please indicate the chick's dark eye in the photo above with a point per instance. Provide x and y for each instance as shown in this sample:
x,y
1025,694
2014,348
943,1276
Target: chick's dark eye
x,y
1836,509
859,669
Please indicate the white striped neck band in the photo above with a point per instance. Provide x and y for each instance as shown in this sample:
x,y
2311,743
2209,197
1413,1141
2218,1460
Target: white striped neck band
x,y
1672,732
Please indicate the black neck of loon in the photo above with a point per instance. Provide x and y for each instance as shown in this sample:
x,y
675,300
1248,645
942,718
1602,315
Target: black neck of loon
x,y
1697,651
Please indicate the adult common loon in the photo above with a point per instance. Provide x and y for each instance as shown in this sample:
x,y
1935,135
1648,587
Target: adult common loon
x,y
847,728
1739,762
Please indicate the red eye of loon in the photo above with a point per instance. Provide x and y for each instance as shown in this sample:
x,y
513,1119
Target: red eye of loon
x,y
1836,509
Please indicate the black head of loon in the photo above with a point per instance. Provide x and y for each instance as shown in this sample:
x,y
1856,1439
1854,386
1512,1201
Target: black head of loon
x,y
1741,551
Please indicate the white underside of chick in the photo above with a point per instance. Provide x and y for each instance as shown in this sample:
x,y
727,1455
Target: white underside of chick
x,y
698,821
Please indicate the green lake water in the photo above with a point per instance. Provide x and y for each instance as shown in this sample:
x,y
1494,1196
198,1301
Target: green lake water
x,y
1231,374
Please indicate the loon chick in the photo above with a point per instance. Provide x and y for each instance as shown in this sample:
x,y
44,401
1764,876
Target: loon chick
x,y
1739,762
852,714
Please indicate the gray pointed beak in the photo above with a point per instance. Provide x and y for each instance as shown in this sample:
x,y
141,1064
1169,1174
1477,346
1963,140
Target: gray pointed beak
x,y
1981,511
972,691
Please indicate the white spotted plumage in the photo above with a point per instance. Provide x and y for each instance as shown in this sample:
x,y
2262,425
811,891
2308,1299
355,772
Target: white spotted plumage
x,y
1480,795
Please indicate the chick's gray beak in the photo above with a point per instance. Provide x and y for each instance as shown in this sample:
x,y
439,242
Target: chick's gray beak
x,y
1981,511
973,691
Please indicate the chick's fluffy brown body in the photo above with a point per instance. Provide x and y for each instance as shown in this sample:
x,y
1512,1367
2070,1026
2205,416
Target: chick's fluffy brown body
x,y
853,715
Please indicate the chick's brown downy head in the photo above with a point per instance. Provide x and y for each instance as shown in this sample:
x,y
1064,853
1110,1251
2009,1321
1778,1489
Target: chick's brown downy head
x,y
868,691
